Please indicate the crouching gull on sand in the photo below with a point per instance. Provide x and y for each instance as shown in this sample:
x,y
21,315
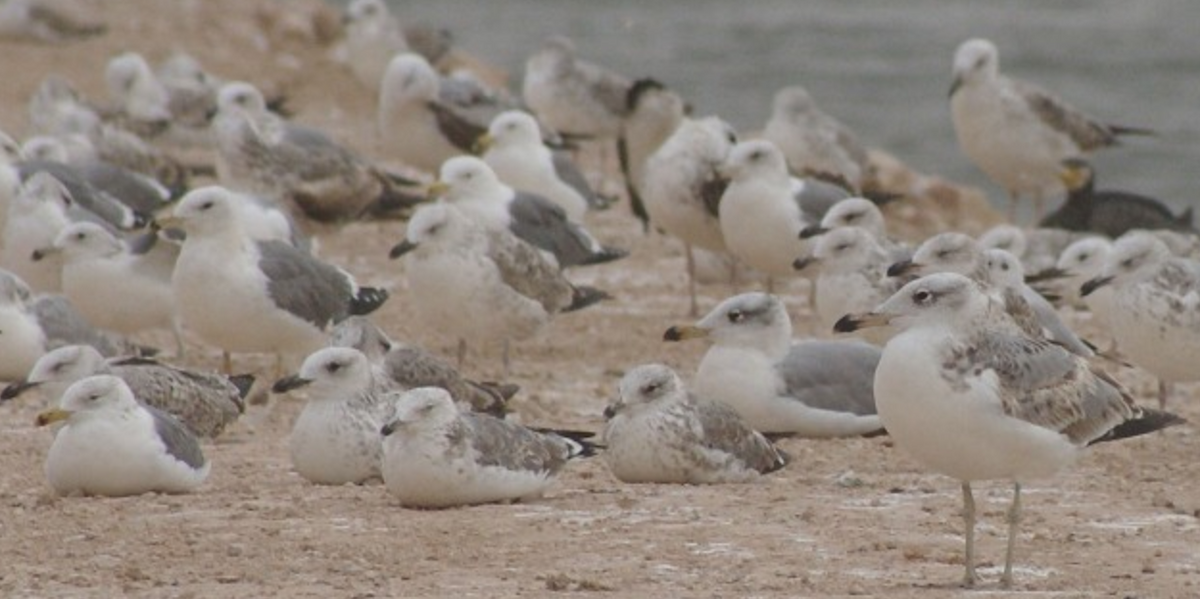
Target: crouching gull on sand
x,y
203,402
809,388
971,395
482,284
112,445
435,456
657,432
242,295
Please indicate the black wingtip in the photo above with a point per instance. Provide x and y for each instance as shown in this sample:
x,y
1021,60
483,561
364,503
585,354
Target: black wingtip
x,y
15,390
639,89
586,296
582,445
606,254
1150,421
367,300
243,383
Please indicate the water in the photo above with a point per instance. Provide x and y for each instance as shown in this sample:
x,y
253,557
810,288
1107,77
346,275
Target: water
x,y
883,66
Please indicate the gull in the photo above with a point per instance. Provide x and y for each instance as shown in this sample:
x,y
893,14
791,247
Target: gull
x,y
1155,308
140,103
35,217
243,295
373,37
513,148
863,214
113,446
959,253
574,96
482,284
1109,212
95,184
44,21
683,188
1038,248
335,440
968,393
402,366
760,219
299,167
652,113
814,142
809,388
853,277
435,456
1080,262
471,186
658,432
204,403
1015,132
113,288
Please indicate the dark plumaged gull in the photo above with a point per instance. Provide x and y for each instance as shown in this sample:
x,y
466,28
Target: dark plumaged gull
x,y
658,432
1155,308
299,167
810,388
336,440
968,393
1015,132
814,143
243,295
682,188
573,96
111,445
1109,212
480,284
205,403
401,366
471,186
435,456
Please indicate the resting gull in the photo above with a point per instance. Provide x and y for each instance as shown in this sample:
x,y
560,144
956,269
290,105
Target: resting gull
x,y
1155,308
809,388
471,186
658,432
242,295
402,366
143,450
513,148
969,394
863,214
435,456
373,37
853,277
45,21
335,440
1016,133
574,96
1080,262
813,142
204,403
482,284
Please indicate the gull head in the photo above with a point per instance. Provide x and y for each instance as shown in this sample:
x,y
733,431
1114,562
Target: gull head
x,y
944,252
975,60
421,409
755,321
1135,257
337,373
644,386
431,225
1085,258
855,212
754,159
791,102
469,178
408,77
91,397
943,299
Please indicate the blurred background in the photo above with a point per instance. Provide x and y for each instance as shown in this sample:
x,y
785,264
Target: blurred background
x,y
883,66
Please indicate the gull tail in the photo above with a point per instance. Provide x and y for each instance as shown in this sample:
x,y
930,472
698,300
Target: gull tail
x,y
580,442
366,300
243,383
604,254
584,296
492,398
1121,130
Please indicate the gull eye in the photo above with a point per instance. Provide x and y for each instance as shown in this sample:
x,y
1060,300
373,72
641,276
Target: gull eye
x,y
333,367
853,217
1127,263
923,296
841,247
81,236
651,388
206,205
736,315
1083,257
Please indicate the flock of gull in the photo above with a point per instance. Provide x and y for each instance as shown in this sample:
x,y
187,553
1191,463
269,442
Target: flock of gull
x,y
960,348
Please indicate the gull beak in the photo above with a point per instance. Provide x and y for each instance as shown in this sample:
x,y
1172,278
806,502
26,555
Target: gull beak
x,y
167,221
401,248
812,231
958,81
389,428
16,389
680,333
804,262
436,190
45,252
1087,288
612,410
853,322
902,268
289,383
482,143
51,416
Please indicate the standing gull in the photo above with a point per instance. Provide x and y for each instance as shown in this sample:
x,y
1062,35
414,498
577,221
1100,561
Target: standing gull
x,y
760,219
1080,262
435,456
969,394
1016,133
513,148
652,113
112,445
813,142
471,186
373,37
36,216
335,440
657,432
243,295
401,366
809,388
482,284
574,96
204,403
1156,308
853,277
414,124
